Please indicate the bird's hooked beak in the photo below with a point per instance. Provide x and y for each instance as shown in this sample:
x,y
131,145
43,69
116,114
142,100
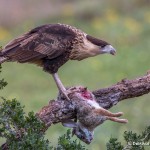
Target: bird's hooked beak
x,y
108,49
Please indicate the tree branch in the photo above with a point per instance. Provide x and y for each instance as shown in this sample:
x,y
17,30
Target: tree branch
x,y
60,110
82,106
123,90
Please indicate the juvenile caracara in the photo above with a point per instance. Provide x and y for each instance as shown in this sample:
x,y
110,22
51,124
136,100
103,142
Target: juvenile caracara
x,y
52,45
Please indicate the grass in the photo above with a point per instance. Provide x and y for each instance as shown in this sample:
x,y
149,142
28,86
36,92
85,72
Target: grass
x,y
34,88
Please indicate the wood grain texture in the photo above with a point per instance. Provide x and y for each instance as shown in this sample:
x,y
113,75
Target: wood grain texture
x,y
58,110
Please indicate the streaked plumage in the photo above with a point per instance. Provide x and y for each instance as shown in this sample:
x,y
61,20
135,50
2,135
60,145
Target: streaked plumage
x,y
52,45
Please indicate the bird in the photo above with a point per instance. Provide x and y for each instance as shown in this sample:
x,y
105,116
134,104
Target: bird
x,y
52,45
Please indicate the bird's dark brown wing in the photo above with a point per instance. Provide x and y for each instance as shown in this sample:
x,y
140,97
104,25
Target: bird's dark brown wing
x,y
45,41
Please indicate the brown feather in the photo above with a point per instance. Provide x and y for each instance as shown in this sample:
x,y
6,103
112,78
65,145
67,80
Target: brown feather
x,y
52,45
45,41
96,41
38,62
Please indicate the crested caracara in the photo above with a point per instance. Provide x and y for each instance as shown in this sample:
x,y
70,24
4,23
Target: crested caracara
x,y
52,45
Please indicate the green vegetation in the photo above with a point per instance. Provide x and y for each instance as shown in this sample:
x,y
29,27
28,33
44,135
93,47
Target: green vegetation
x,y
65,143
26,132
2,82
133,141
126,29
22,131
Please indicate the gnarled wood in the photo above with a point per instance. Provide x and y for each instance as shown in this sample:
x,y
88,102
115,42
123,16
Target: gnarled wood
x,y
58,110
123,90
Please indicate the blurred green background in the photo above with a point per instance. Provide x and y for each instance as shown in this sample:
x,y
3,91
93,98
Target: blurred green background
x,y
125,24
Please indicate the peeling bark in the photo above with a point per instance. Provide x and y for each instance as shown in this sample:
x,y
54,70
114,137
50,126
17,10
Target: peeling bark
x,y
59,110
123,90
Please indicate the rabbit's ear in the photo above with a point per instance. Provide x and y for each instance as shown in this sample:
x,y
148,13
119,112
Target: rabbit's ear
x,y
69,123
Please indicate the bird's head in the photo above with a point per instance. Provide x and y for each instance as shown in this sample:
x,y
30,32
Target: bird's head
x,y
102,46
107,49
89,47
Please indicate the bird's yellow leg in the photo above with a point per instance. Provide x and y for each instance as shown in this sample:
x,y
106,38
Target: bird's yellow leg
x,y
60,86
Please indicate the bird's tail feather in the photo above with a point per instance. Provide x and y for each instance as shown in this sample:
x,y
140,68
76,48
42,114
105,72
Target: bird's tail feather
x,y
2,58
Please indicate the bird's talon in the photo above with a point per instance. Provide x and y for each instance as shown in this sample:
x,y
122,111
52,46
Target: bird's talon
x,y
66,96
66,93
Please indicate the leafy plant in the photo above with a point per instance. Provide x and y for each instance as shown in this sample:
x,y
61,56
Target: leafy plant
x,y
114,144
2,82
23,131
65,143
133,140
